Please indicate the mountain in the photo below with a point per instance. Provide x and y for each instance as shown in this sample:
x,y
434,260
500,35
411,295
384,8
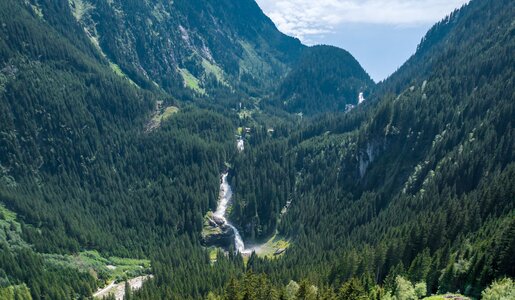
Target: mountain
x,y
82,170
201,45
325,79
117,119
417,183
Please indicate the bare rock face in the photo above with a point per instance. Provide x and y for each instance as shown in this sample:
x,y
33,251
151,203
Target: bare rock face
x,y
216,232
218,221
222,236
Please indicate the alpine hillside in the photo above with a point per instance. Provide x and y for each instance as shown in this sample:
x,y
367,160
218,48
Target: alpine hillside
x,y
187,149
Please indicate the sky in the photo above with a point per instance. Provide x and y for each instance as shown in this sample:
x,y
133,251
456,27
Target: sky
x,y
380,34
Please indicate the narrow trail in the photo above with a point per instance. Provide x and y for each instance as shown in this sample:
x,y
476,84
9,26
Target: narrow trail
x,y
104,292
118,289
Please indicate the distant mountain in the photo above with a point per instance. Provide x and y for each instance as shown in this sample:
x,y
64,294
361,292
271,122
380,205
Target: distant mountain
x,y
325,79
209,49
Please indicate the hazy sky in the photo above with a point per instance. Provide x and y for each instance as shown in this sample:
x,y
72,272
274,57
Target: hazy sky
x,y
381,34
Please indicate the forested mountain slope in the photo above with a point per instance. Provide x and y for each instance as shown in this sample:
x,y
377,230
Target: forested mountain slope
x,y
202,45
78,166
326,79
419,183
118,117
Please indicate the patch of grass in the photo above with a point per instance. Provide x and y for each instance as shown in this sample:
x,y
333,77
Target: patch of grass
x,y
114,67
251,61
168,112
162,115
270,247
118,71
213,253
191,81
215,70
102,268
207,228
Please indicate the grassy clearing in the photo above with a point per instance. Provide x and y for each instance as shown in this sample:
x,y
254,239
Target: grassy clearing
x,y
161,115
168,112
191,81
251,63
215,70
106,269
213,254
270,247
118,71
114,67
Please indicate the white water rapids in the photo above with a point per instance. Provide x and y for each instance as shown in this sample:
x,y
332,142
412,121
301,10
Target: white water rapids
x,y
221,209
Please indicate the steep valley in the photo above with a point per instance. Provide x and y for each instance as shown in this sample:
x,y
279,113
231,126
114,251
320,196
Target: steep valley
x,y
192,144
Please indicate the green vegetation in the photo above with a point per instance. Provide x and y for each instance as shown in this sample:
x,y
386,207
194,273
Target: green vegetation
x,y
326,79
408,195
118,71
197,35
166,114
215,71
10,229
503,289
7,215
275,247
399,186
15,292
104,269
191,81
213,254
169,112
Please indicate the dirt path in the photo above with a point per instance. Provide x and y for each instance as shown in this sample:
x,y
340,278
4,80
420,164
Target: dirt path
x,y
118,289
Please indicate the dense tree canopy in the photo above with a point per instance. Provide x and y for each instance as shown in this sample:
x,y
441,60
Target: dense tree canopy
x,y
114,141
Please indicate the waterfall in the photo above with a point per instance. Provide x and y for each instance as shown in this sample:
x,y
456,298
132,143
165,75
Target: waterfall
x,y
221,209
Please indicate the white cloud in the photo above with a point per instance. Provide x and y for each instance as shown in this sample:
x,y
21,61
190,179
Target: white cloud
x,y
305,18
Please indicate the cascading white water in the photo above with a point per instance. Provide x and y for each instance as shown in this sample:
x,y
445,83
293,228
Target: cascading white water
x,y
221,209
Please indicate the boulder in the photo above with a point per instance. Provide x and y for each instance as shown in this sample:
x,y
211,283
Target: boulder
x,y
280,251
219,221
220,236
